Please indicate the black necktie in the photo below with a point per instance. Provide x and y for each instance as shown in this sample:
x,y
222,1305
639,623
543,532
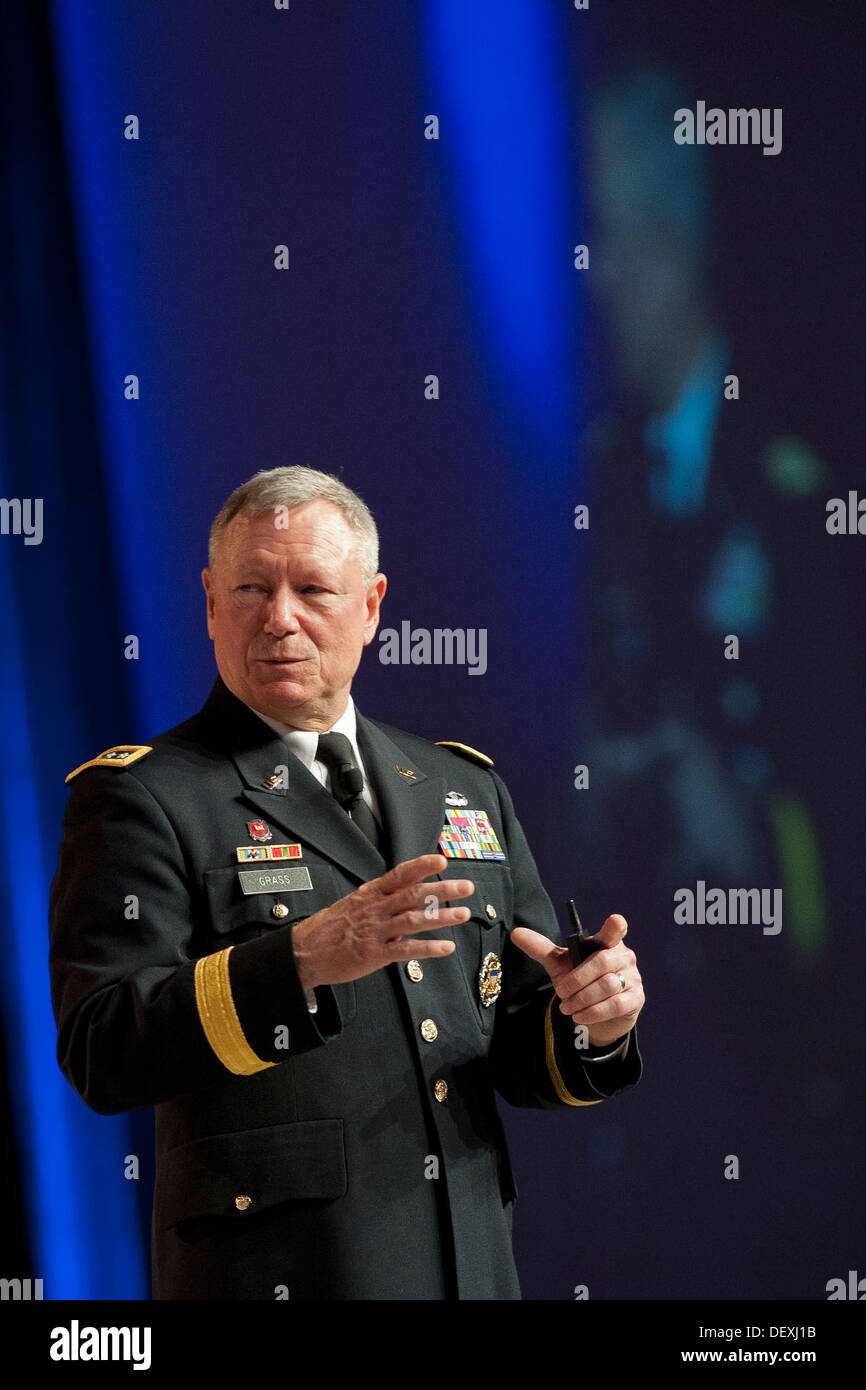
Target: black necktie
x,y
347,783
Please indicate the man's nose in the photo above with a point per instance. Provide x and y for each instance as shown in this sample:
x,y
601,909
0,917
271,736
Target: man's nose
x,y
282,615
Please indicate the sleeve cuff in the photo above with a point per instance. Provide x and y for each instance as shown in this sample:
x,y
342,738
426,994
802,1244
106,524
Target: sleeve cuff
x,y
253,1009
619,1050
564,1095
576,1083
219,1017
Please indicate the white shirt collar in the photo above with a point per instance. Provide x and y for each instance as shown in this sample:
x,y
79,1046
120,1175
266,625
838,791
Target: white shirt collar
x,y
304,742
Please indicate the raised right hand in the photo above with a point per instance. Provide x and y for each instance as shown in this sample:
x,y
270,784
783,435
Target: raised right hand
x,y
370,927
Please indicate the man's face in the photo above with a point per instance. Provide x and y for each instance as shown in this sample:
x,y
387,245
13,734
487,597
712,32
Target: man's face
x,y
289,613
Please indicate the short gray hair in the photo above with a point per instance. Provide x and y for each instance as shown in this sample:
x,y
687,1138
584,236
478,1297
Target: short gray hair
x,y
276,488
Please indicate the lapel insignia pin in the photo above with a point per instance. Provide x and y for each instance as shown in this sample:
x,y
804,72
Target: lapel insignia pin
x,y
404,771
490,979
248,854
456,799
259,830
275,780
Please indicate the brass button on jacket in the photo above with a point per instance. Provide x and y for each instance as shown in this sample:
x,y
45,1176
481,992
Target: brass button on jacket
x,y
429,1031
414,971
440,1090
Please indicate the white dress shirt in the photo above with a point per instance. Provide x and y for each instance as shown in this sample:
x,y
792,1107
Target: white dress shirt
x,y
304,742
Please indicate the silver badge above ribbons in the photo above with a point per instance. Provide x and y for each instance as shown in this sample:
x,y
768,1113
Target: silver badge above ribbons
x,y
456,799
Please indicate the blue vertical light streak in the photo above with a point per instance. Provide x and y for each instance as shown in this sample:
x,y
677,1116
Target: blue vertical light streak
x,y
61,1149
99,85
495,80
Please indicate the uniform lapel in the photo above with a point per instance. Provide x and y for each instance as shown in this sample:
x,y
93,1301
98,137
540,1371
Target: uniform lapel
x,y
412,807
304,809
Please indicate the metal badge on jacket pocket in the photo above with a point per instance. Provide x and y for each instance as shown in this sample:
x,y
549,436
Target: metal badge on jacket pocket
x,y
490,979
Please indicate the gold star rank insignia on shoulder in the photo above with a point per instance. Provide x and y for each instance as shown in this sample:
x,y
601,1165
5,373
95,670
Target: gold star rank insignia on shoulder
x,y
490,979
122,755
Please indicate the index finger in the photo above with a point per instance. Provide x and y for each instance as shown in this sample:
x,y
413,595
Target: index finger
x,y
412,871
572,981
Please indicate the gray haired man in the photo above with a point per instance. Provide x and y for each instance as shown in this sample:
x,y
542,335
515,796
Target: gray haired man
x,y
342,951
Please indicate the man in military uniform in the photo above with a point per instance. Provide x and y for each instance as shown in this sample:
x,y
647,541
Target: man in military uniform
x,y
250,932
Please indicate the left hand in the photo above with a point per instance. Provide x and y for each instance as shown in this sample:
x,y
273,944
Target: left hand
x,y
592,993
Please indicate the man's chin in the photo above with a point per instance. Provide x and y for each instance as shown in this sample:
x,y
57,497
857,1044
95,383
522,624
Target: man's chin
x,y
281,684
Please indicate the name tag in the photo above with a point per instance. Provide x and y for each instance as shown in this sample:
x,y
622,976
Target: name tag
x,y
275,880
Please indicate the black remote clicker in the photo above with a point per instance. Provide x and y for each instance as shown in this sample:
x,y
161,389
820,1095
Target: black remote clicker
x,y
580,944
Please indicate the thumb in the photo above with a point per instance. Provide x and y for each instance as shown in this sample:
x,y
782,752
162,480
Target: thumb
x,y
540,948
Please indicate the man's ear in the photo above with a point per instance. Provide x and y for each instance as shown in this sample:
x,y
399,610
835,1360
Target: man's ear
x,y
208,588
375,593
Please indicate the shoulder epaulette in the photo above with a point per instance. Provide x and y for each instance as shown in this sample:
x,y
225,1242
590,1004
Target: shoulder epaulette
x,y
123,755
465,751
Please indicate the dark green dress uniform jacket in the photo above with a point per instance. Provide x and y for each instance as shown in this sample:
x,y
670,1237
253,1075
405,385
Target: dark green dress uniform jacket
x,y
327,1168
